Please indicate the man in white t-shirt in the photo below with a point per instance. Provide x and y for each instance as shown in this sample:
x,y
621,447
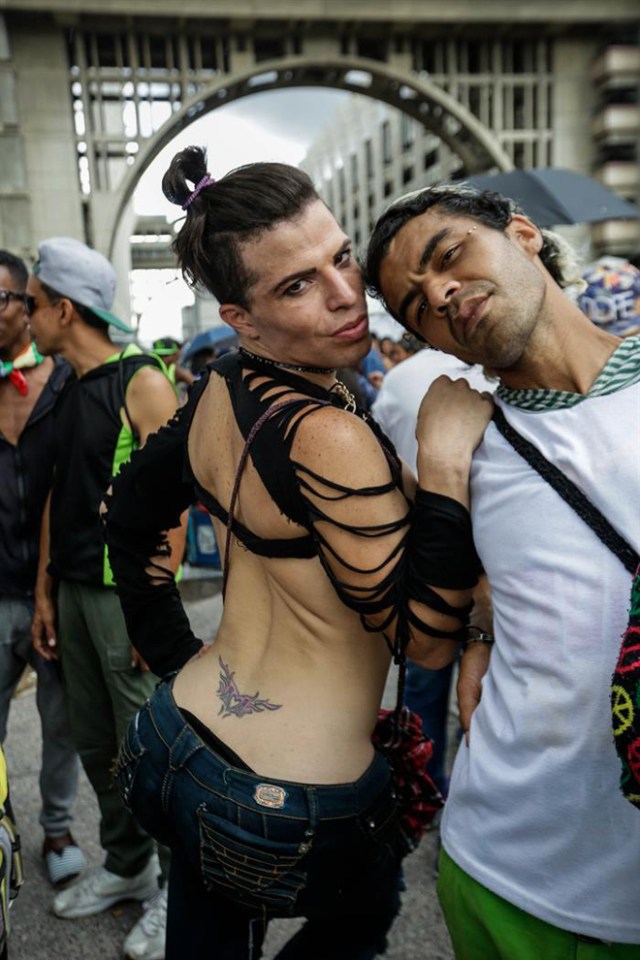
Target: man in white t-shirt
x,y
540,849
395,408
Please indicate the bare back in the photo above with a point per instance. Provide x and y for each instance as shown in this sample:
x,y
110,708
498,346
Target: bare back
x,y
293,680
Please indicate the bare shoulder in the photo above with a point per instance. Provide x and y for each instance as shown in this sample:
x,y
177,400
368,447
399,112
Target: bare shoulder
x,y
340,446
151,399
149,378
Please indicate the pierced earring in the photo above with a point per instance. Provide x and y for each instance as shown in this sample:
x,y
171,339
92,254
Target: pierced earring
x,y
472,229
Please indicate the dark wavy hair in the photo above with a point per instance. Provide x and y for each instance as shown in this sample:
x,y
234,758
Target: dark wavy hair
x,y
462,200
240,207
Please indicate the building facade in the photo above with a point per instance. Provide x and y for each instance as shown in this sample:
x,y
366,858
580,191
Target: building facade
x,y
91,92
546,104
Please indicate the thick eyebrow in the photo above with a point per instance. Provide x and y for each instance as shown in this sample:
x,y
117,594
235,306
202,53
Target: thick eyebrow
x,y
300,275
427,254
304,274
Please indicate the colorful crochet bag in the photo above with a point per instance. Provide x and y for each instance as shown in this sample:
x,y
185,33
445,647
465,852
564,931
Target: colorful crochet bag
x,y
625,701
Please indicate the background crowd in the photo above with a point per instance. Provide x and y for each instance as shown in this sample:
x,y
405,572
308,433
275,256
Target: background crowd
x,y
62,437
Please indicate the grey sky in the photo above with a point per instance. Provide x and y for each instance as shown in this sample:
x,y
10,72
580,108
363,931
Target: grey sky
x,y
271,125
298,114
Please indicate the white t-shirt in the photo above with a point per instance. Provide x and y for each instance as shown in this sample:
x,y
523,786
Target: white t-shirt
x,y
534,811
403,388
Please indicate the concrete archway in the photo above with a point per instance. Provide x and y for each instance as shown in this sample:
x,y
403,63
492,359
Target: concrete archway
x,y
416,96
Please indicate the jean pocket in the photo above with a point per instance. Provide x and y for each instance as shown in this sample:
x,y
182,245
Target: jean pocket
x,y
251,870
128,760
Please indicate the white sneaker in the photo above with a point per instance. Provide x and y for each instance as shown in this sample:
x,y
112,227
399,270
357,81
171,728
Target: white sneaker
x,y
146,941
99,889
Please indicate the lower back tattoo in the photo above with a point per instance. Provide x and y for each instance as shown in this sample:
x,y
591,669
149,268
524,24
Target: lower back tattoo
x,y
236,704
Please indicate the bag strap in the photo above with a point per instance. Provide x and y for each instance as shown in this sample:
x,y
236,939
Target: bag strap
x,y
569,493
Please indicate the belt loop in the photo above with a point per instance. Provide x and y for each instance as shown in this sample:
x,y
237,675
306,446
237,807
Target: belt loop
x,y
312,802
182,748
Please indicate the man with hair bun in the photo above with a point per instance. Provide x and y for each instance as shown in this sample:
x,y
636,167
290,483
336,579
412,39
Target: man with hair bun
x,y
540,849
254,760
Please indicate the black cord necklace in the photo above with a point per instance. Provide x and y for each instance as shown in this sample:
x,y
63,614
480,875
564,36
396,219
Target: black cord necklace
x,y
299,368
348,399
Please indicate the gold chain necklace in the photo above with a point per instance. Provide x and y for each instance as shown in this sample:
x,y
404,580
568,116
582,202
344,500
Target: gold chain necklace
x,y
350,404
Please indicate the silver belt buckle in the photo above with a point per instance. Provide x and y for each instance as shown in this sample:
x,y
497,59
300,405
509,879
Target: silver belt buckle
x,y
270,795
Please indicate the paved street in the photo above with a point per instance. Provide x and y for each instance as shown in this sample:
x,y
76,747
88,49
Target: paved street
x,y
419,933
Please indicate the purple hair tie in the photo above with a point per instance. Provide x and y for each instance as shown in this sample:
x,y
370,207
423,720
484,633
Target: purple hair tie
x,y
206,181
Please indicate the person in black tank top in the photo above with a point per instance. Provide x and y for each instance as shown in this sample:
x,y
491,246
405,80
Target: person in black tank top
x,y
114,398
254,759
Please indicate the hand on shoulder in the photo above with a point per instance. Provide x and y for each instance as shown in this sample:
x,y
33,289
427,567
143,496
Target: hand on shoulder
x,y
452,419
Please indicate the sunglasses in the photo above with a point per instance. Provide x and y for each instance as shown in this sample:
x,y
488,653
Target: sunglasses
x,y
28,301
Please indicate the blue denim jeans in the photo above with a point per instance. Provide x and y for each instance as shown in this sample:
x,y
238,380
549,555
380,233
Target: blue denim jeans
x,y
247,848
427,692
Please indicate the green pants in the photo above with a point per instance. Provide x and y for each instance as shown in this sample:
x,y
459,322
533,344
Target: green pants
x,y
483,926
103,693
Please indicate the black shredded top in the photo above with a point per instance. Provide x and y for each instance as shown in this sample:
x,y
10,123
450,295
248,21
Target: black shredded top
x,y
158,484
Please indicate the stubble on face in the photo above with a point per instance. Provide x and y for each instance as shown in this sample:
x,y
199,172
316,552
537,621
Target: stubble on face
x,y
515,308
490,265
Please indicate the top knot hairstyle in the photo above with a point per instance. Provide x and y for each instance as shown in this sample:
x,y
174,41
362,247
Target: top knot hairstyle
x,y
462,200
226,213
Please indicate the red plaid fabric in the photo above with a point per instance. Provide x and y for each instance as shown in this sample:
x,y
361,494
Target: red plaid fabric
x,y
399,735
